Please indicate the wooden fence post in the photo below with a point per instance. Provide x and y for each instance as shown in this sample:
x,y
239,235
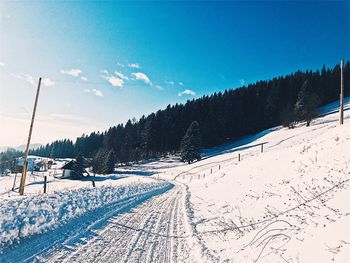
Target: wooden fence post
x,y
14,182
262,148
45,181
93,181
239,157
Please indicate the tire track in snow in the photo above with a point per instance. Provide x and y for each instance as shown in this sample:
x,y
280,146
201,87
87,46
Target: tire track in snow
x,y
150,232
40,248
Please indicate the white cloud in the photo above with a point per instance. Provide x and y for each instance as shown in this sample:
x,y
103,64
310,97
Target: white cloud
x,y
134,65
2,64
181,83
242,81
187,92
96,92
159,87
83,78
142,76
47,82
72,72
104,71
120,65
170,82
121,75
32,80
114,81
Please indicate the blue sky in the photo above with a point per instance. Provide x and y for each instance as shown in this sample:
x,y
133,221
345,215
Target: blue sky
x,y
106,62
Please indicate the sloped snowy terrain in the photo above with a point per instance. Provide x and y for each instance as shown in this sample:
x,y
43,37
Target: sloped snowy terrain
x,y
287,204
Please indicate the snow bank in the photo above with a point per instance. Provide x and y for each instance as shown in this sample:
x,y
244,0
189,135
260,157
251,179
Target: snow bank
x,y
32,215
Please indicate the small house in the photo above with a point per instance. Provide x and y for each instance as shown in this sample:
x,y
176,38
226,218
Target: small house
x,y
67,169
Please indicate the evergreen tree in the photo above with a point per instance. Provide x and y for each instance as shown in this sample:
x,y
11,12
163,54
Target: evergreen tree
x,y
109,163
78,167
98,161
288,117
191,144
306,105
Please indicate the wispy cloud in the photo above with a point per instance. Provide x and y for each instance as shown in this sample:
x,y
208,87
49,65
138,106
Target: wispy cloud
x,y
142,76
186,92
181,83
96,92
113,80
25,77
120,64
242,81
134,65
121,75
47,82
170,82
72,72
2,64
83,78
32,80
159,87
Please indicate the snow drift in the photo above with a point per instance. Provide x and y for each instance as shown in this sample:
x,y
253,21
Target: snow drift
x,y
32,215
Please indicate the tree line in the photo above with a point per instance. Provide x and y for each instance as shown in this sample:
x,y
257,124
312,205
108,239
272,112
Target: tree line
x,y
221,117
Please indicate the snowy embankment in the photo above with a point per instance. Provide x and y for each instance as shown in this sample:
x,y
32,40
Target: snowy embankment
x,y
20,218
288,203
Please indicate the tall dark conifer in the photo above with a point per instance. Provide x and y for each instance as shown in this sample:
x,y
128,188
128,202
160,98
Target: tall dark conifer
x,y
306,105
191,144
109,163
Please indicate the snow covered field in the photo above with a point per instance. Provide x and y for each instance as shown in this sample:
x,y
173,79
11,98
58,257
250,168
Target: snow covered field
x,y
288,203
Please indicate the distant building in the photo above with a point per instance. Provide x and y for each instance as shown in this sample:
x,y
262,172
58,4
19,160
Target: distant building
x,y
33,162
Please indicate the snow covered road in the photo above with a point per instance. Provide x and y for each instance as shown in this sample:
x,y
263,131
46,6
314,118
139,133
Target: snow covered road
x,y
143,228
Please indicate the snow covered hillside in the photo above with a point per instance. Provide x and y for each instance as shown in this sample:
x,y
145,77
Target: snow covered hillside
x,y
287,204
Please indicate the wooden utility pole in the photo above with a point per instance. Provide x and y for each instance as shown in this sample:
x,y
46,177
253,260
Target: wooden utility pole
x,y
25,157
341,108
